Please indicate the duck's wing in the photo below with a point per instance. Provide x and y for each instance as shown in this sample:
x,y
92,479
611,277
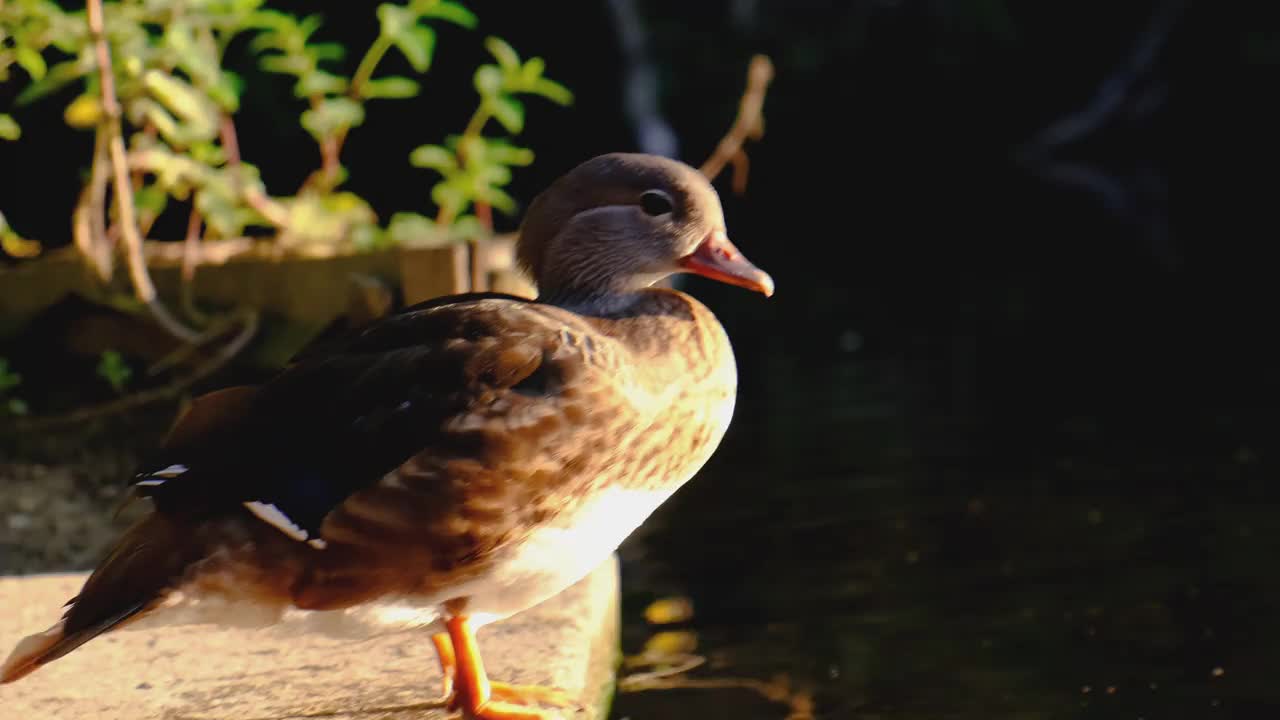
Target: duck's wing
x,y
418,399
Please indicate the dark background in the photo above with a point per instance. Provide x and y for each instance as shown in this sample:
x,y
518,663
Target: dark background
x,y
1006,430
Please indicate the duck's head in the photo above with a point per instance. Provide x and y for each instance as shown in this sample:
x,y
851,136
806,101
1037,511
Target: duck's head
x,y
621,222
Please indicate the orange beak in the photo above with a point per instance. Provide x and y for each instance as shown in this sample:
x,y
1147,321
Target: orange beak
x,y
718,259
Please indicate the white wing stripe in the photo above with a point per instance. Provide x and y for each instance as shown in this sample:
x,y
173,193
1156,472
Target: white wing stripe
x,y
272,515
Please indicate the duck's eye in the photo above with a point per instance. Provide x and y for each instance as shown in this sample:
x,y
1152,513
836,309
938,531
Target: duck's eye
x,y
655,202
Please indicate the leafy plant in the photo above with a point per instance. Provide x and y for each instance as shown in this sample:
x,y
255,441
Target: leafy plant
x,y
177,103
337,102
475,168
113,369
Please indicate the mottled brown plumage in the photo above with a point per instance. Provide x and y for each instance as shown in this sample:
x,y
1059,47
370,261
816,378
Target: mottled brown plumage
x,y
468,457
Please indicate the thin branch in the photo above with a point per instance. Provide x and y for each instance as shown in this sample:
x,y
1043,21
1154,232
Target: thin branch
x,y
142,285
326,177
484,214
1114,90
190,260
741,168
253,197
748,125
364,72
88,224
173,389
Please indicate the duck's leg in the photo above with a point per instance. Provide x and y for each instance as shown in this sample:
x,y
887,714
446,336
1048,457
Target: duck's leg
x,y
474,693
448,664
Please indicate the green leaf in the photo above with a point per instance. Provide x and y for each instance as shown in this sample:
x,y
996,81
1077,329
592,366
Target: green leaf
x,y
366,236
207,153
503,53
499,199
395,20
199,113
52,81
9,129
390,87
417,44
332,116
151,198
327,51
468,227
471,147
83,112
113,369
287,64
408,228
508,111
494,174
197,60
553,91
310,24
449,195
18,246
434,157
227,91
451,12
147,110
273,20
532,70
31,61
488,80
319,82
508,154
18,406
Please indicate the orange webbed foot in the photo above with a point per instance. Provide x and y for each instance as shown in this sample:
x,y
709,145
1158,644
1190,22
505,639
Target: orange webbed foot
x,y
533,695
478,698
498,710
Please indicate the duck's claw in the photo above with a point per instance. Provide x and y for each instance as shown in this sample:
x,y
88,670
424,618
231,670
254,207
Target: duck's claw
x,y
533,695
498,710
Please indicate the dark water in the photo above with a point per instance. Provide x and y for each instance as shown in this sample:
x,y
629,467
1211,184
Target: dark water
x,y
989,496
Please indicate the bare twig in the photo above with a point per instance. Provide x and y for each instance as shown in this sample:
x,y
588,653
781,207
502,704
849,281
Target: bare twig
x,y
249,328
88,223
1131,89
142,285
748,125
254,198
1115,90
326,177
190,260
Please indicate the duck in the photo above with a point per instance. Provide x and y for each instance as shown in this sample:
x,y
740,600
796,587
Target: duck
x,y
456,462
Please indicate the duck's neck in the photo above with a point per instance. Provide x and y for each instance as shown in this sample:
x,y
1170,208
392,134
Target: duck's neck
x,y
595,304
600,300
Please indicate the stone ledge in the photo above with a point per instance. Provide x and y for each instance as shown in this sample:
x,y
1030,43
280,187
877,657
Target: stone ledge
x,y
201,673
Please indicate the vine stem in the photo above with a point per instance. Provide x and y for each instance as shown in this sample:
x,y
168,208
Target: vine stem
x,y
331,147
271,210
368,63
143,287
88,220
475,125
748,125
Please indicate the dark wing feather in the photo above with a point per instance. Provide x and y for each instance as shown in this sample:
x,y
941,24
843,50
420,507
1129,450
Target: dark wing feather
x,y
337,421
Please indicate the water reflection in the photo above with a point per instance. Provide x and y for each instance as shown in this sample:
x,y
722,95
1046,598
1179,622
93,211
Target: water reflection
x,y
894,563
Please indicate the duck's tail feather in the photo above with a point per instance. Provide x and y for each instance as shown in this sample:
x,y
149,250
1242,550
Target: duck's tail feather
x,y
135,575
